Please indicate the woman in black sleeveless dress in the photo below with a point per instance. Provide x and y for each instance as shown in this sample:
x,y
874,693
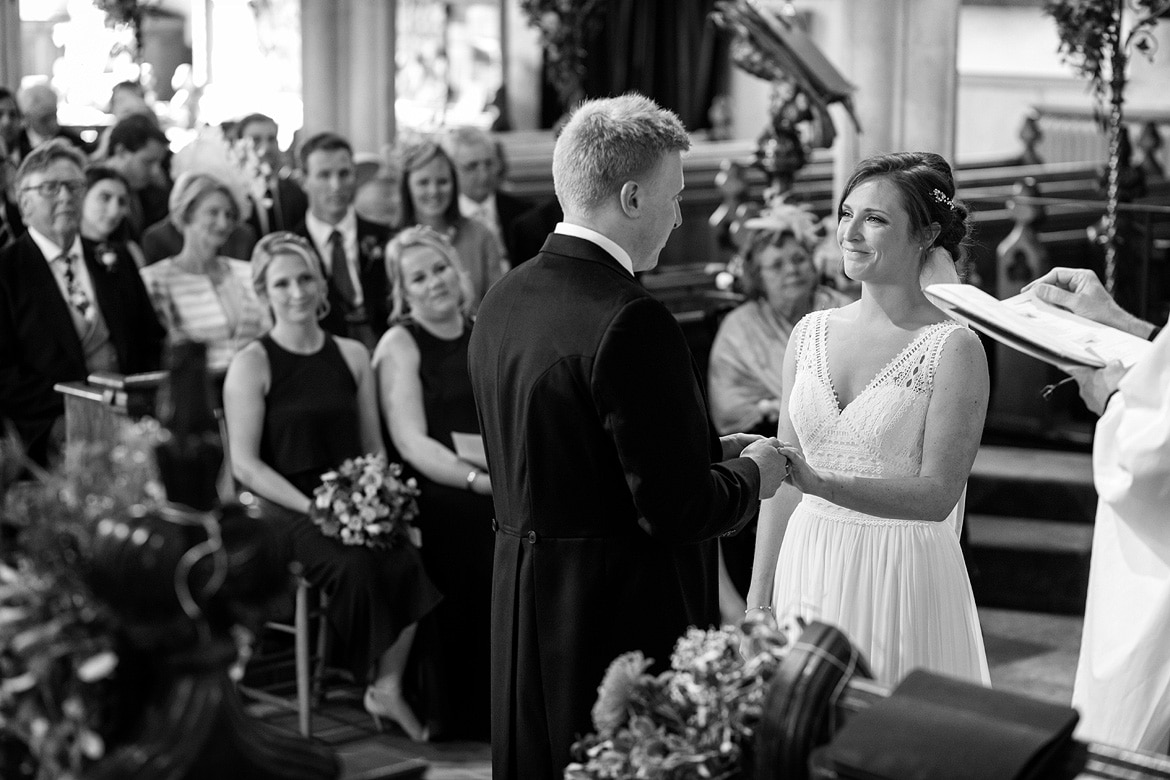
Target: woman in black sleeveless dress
x,y
425,394
298,402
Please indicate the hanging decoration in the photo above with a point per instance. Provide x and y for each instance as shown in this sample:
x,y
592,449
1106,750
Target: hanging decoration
x,y
1098,38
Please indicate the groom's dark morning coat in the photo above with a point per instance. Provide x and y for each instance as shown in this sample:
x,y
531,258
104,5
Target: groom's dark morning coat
x,y
607,491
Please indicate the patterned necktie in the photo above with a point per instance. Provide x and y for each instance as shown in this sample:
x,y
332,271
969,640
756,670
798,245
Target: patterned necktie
x,y
342,281
77,297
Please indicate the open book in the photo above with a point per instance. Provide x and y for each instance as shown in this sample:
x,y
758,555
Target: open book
x,y
1039,329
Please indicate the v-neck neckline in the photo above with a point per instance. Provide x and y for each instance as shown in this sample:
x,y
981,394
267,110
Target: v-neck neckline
x,y
831,386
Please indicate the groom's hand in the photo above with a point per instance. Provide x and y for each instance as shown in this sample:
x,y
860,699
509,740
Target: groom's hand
x,y
773,466
734,443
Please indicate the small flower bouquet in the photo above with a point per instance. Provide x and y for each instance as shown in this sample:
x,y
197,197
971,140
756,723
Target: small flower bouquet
x,y
695,720
367,502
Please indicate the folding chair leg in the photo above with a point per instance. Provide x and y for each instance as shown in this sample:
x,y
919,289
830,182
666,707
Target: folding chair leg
x,y
322,648
304,713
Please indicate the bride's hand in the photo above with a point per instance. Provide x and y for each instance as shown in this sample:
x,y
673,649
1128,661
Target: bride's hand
x,y
800,475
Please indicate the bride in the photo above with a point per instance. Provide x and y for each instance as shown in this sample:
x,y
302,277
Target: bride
x,y
887,398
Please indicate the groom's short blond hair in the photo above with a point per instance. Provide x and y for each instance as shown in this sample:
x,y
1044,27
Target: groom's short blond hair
x,y
608,142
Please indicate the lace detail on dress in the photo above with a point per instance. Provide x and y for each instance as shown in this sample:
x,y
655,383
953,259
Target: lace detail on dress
x,y
879,434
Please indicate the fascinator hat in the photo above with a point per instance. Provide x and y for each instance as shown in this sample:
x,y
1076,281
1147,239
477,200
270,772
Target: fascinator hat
x,y
234,166
779,218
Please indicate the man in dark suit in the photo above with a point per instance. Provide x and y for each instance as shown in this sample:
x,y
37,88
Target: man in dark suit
x,y
284,205
352,249
63,312
138,150
610,484
478,168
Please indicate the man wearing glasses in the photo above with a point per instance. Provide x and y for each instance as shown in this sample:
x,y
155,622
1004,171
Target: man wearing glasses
x,y
64,312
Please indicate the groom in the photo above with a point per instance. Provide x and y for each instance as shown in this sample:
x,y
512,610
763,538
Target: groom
x,y
610,483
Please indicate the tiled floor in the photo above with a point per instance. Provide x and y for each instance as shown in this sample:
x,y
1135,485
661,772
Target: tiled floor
x,y
1029,653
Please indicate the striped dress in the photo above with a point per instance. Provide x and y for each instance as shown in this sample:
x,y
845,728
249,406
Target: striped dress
x,y
225,314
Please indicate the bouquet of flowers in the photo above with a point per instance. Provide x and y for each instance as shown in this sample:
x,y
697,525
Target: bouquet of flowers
x,y
367,502
695,720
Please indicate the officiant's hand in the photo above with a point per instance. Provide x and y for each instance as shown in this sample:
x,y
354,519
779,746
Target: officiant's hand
x,y
734,443
1097,384
773,466
1081,292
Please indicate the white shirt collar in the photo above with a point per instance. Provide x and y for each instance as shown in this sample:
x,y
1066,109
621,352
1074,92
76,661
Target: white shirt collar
x,y
50,249
472,208
320,230
608,244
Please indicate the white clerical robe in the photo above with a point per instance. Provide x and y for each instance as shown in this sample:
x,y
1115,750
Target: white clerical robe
x,y
1122,687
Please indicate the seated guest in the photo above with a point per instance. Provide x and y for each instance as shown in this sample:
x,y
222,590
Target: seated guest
x,y
199,294
137,148
744,377
38,103
351,247
103,212
378,200
425,393
298,402
210,153
64,312
780,282
478,169
11,225
284,204
430,196
12,127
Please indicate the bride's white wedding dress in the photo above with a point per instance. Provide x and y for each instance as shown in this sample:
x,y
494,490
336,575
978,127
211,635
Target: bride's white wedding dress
x,y
897,588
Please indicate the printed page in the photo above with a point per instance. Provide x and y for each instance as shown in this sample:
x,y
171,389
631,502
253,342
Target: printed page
x,y
1036,328
469,447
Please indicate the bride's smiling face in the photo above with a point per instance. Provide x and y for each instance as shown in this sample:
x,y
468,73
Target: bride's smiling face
x,y
873,229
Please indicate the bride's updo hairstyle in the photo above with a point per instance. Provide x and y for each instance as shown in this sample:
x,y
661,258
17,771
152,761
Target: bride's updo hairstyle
x,y
927,186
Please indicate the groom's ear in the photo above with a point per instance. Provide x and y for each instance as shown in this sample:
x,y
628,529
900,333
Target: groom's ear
x,y
631,198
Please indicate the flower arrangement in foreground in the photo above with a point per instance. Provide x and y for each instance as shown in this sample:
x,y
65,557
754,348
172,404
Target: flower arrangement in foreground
x,y
367,502
58,646
695,720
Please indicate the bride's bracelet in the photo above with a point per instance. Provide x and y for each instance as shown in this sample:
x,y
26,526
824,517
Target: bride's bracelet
x,y
764,607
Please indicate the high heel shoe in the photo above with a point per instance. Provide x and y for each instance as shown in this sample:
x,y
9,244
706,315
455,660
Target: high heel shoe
x,y
389,704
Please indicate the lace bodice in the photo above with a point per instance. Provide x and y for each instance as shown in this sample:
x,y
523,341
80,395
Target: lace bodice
x,y
879,434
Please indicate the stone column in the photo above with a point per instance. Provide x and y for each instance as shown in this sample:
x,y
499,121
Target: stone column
x,y
901,55
347,61
369,87
522,62
321,54
10,69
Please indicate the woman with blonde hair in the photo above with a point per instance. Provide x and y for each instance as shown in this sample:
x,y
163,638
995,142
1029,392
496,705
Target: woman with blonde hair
x,y
430,196
200,294
426,401
299,402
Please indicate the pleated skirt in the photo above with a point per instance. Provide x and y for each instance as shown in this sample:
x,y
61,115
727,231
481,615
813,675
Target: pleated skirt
x,y
897,588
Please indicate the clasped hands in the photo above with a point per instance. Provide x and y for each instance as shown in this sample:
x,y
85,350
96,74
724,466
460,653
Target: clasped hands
x,y
776,460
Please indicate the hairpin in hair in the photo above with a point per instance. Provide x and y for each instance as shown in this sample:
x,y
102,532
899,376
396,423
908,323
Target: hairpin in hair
x,y
942,199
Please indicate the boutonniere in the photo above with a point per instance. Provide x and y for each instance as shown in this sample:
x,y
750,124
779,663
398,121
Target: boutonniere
x,y
371,249
107,256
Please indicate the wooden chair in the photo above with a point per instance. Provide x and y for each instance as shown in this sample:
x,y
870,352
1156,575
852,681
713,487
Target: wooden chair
x,y
309,610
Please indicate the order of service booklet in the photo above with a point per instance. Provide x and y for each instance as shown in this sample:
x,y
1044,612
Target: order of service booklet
x,y
1047,332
